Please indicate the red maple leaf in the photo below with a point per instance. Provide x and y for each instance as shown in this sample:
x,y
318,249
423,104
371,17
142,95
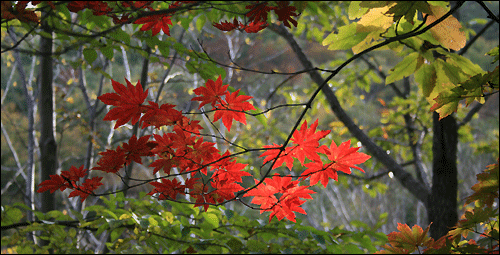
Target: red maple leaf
x,y
136,148
155,23
74,174
287,203
165,115
285,157
200,153
138,4
187,125
56,182
203,198
18,12
212,93
86,188
255,27
227,26
128,101
232,108
285,13
343,159
111,161
308,142
167,189
259,11
224,190
228,170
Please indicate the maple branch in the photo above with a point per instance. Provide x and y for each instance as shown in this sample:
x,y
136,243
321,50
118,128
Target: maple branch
x,y
67,223
102,33
240,68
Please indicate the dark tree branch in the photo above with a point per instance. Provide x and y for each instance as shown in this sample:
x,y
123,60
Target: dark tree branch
x,y
490,13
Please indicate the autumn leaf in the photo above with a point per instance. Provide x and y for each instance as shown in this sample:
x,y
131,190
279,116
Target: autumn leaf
x,y
224,190
74,174
165,115
486,189
127,101
229,170
227,26
56,182
255,27
111,161
272,153
136,148
281,196
259,11
345,158
308,142
86,188
212,93
232,108
342,159
155,23
285,13
376,19
406,240
448,31
167,189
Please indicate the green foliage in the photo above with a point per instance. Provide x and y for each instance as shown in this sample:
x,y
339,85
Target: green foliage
x,y
150,226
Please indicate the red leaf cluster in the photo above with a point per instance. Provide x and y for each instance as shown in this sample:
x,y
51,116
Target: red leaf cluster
x,y
342,158
19,11
229,108
128,101
69,179
258,17
155,23
185,149
280,195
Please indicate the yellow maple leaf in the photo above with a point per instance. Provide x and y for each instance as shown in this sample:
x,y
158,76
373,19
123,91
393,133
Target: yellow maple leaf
x,y
375,19
448,31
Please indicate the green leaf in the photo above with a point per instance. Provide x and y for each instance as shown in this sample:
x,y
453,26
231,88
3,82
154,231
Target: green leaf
x,y
352,249
346,38
212,219
107,52
110,213
426,78
90,55
318,238
234,245
404,68
121,36
200,22
11,215
229,213
116,233
355,11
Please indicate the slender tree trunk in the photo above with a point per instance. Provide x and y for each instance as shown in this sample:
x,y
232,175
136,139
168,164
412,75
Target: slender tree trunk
x,y
48,144
442,202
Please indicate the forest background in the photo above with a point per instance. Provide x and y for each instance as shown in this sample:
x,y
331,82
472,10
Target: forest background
x,y
373,201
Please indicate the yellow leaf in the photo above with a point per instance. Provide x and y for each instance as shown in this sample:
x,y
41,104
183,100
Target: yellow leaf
x,y
375,19
448,31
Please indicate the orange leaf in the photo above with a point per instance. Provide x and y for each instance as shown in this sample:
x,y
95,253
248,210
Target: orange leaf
x,y
448,31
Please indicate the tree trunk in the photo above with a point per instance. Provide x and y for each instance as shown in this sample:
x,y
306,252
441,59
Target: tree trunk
x,y
442,202
48,144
